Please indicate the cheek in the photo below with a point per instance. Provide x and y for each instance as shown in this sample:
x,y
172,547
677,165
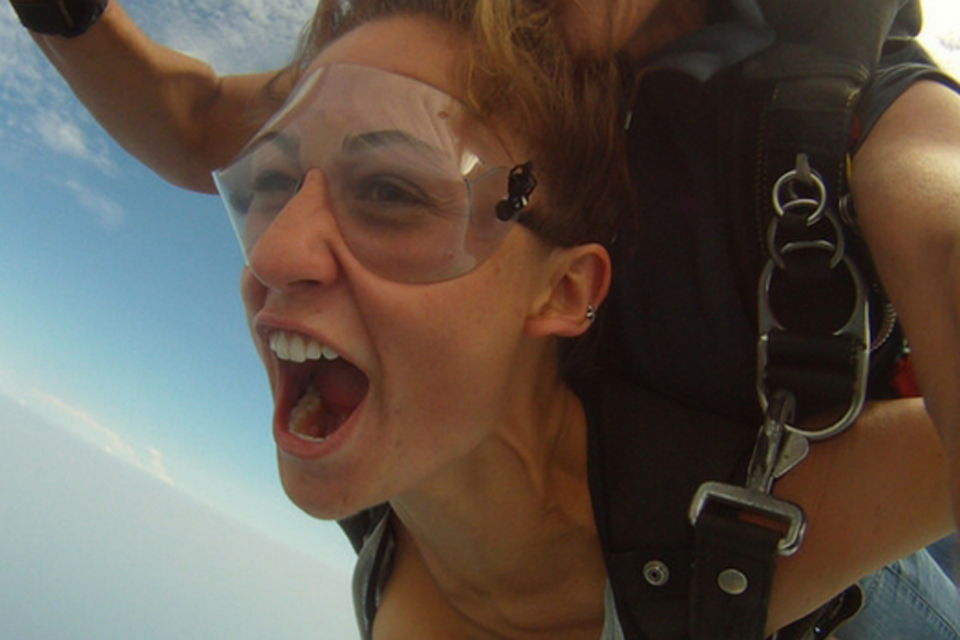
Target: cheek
x,y
452,348
253,294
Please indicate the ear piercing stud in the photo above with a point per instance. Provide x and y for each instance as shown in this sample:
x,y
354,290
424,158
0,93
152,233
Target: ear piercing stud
x,y
591,313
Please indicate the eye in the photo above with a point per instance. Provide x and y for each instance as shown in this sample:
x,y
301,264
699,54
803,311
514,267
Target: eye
x,y
273,181
271,190
390,204
390,190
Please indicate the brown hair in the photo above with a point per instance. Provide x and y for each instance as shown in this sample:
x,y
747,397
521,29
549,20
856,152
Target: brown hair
x,y
565,109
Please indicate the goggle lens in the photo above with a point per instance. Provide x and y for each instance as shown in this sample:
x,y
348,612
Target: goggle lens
x,y
411,180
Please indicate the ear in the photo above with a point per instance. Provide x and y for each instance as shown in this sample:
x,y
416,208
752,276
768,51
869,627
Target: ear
x,y
580,278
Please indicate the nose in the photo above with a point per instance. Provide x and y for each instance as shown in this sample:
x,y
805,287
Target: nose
x,y
297,249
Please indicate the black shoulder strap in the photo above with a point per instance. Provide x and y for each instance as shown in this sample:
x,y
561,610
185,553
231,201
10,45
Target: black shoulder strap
x,y
814,336
648,455
824,55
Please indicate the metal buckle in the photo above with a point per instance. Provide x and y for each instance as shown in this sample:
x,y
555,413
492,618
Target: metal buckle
x,y
776,452
764,504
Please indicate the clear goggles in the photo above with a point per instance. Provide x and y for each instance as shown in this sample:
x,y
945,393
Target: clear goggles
x,y
420,190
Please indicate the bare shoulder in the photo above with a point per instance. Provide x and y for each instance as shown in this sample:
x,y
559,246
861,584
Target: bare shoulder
x,y
911,157
928,112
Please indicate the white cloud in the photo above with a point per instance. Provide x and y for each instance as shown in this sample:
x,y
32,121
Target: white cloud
x,y
81,423
109,214
157,466
941,32
91,548
233,36
23,77
61,132
40,112
61,135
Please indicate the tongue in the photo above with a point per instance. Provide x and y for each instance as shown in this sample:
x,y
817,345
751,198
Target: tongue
x,y
331,397
341,386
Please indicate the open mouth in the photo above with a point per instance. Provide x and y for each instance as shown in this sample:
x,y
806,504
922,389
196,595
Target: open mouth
x,y
320,389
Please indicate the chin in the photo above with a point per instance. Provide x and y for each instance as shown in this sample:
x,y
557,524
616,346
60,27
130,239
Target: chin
x,y
324,498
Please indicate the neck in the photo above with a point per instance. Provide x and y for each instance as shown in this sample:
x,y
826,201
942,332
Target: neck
x,y
508,535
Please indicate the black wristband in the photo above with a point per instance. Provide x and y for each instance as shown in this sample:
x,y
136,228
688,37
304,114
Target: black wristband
x,y
68,18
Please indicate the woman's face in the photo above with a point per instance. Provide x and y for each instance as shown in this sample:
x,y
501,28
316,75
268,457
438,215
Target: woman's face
x,y
400,381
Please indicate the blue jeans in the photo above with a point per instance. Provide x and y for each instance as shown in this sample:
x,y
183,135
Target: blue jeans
x,y
947,554
911,599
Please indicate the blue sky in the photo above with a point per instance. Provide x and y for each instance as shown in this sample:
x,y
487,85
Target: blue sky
x,y
126,369
135,420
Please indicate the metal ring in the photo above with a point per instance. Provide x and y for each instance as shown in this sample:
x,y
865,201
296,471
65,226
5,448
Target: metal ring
x,y
819,205
839,248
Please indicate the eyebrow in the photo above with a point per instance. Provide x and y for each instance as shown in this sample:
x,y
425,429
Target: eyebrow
x,y
363,142
288,145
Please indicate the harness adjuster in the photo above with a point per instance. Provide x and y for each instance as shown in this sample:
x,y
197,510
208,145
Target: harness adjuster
x,y
776,452
755,502
836,360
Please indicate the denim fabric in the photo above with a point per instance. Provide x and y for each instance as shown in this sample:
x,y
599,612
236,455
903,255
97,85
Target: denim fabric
x,y
911,599
947,554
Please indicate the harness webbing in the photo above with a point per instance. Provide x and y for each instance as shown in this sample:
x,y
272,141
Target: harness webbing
x,y
823,56
734,572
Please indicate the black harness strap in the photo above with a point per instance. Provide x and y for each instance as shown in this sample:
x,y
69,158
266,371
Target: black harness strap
x,y
824,54
734,572
823,57
642,472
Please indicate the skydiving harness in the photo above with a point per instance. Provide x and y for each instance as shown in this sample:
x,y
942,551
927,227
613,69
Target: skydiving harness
x,y
814,333
814,340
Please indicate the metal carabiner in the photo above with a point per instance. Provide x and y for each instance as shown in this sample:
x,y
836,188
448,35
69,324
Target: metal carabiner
x,y
776,451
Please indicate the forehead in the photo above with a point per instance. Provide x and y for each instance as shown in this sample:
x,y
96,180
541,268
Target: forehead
x,y
427,49
418,47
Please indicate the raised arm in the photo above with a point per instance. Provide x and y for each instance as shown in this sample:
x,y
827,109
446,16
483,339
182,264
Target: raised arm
x,y
906,185
171,111
872,495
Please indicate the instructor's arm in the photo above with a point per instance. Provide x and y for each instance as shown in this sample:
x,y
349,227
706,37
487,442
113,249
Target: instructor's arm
x,y
171,111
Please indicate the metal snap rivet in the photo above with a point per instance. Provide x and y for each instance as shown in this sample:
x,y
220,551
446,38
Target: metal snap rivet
x,y
656,573
732,582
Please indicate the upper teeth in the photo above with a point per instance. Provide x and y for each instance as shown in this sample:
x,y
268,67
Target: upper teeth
x,y
297,348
